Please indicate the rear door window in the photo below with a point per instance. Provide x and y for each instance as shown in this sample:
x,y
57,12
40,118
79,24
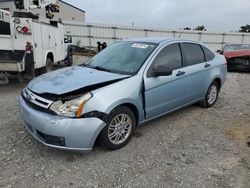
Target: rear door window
x,y
193,54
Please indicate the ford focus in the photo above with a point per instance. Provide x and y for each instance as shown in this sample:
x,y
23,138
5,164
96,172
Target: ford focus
x,y
127,84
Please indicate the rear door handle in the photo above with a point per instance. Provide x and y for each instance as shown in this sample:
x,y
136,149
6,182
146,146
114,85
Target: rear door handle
x,y
180,73
207,65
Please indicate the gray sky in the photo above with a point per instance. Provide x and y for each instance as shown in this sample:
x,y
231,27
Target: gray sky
x,y
216,15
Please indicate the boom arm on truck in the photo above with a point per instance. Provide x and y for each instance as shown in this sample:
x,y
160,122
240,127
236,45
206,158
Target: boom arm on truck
x,y
34,4
27,5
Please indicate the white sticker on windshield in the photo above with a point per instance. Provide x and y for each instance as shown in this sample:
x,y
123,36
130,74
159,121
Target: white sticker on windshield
x,y
137,45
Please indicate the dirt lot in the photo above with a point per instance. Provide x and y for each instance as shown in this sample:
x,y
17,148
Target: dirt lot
x,y
194,147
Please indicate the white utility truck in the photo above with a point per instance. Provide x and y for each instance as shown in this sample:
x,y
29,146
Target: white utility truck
x,y
28,45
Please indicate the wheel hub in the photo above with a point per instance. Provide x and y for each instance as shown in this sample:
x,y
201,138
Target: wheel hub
x,y
120,129
212,95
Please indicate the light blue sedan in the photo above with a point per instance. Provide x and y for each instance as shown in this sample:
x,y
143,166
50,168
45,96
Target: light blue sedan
x,y
127,84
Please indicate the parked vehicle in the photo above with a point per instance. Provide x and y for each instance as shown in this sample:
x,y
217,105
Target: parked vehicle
x,y
125,85
238,57
28,43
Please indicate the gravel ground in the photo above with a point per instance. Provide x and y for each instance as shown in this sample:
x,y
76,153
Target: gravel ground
x,y
194,147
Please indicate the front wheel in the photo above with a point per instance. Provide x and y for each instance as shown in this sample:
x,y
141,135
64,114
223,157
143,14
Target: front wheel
x,y
119,129
211,96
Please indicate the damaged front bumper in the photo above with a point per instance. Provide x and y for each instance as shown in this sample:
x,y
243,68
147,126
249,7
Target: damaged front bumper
x,y
239,64
61,132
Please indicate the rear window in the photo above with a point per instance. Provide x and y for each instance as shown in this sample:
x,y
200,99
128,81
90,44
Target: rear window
x,y
193,54
209,55
5,28
236,47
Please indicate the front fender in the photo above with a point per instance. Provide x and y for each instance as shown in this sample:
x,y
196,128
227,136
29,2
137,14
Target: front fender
x,y
127,91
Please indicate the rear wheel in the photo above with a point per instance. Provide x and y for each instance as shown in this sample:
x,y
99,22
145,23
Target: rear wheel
x,y
211,96
20,77
48,67
119,129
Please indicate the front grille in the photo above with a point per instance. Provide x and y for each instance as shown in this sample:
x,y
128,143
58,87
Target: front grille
x,y
35,99
49,139
38,108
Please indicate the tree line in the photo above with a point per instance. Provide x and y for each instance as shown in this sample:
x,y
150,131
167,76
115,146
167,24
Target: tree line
x,y
198,28
243,29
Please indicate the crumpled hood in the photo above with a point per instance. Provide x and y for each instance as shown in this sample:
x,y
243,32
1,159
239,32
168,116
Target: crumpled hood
x,y
70,79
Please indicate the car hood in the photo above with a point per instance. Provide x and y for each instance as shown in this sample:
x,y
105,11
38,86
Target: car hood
x,y
70,79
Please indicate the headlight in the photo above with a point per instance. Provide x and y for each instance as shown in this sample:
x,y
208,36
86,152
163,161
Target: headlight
x,y
72,108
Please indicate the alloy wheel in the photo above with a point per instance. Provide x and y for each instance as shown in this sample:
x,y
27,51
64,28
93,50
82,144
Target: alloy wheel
x,y
212,94
120,129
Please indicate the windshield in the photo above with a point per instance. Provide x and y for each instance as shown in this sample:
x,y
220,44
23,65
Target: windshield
x,y
122,57
236,47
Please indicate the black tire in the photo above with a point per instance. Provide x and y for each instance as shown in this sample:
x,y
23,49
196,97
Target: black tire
x,y
207,102
20,77
48,68
106,133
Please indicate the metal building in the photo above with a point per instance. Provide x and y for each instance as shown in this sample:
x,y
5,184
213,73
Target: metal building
x,y
67,12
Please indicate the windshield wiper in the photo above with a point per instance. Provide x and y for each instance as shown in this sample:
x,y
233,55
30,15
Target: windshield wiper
x,y
107,70
101,69
84,65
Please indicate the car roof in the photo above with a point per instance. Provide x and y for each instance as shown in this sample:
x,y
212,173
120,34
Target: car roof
x,y
158,40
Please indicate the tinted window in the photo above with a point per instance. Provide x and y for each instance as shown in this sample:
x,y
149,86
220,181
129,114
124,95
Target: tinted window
x,y
193,54
209,55
5,28
170,56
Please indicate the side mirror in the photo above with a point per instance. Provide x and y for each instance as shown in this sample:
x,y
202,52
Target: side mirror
x,y
161,70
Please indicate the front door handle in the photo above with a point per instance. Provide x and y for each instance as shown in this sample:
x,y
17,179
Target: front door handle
x,y
180,73
207,65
